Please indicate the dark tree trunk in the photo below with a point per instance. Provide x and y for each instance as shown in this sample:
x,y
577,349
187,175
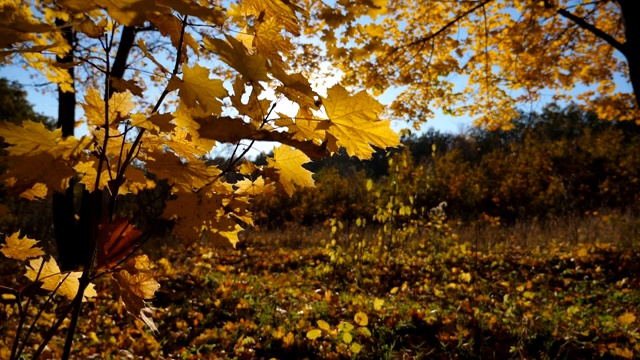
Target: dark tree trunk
x,y
75,238
630,15
120,62
67,100
69,246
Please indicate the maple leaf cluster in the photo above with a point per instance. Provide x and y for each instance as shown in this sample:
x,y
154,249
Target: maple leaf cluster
x,y
217,93
485,58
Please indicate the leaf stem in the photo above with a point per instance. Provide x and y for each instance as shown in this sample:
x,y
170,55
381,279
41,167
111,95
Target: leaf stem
x,y
23,318
40,311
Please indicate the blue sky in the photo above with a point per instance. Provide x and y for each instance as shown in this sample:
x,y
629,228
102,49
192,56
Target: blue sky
x,y
46,103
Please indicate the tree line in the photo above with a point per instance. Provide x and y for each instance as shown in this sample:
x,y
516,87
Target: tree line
x,y
558,161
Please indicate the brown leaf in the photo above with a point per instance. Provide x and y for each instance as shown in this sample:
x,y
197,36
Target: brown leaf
x,y
115,242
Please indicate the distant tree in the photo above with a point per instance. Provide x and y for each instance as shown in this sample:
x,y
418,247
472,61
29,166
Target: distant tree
x,y
15,107
506,52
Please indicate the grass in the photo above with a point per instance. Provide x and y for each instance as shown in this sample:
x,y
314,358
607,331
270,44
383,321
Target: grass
x,y
547,297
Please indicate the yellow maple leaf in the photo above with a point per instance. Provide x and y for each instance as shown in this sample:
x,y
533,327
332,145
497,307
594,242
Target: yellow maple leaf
x,y
120,105
197,90
255,109
269,41
185,176
246,37
208,210
136,284
67,284
252,68
142,284
256,187
26,171
305,126
222,238
90,28
122,85
354,122
169,25
20,248
186,126
37,191
88,171
29,138
295,87
127,12
156,122
283,12
288,162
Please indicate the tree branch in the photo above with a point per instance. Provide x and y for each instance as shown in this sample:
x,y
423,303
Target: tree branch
x,y
423,40
591,28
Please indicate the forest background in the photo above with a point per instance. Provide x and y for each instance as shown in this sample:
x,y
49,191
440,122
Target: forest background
x,y
513,239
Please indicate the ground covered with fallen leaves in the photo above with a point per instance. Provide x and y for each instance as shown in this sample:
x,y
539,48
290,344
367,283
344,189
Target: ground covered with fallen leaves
x,y
557,301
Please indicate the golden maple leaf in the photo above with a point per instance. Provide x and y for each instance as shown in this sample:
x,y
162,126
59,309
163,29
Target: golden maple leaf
x,y
253,188
295,87
65,284
43,168
20,248
253,68
354,122
284,12
207,210
30,137
37,191
120,105
137,284
197,90
269,41
305,126
156,122
288,162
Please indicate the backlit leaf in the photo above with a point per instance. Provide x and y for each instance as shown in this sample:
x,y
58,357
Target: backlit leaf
x,y
288,161
37,191
354,122
197,90
20,248
67,284
30,138
257,187
284,12
252,67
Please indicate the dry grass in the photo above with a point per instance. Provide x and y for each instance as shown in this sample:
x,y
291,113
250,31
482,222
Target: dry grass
x,y
621,229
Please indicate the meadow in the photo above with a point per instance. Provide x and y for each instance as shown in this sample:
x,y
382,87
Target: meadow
x,y
342,291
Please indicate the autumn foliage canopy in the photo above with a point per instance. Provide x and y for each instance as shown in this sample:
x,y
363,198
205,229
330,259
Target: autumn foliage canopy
x,y
163,83
224,63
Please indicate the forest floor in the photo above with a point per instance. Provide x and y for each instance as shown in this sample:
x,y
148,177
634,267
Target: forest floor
x,y
321,300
